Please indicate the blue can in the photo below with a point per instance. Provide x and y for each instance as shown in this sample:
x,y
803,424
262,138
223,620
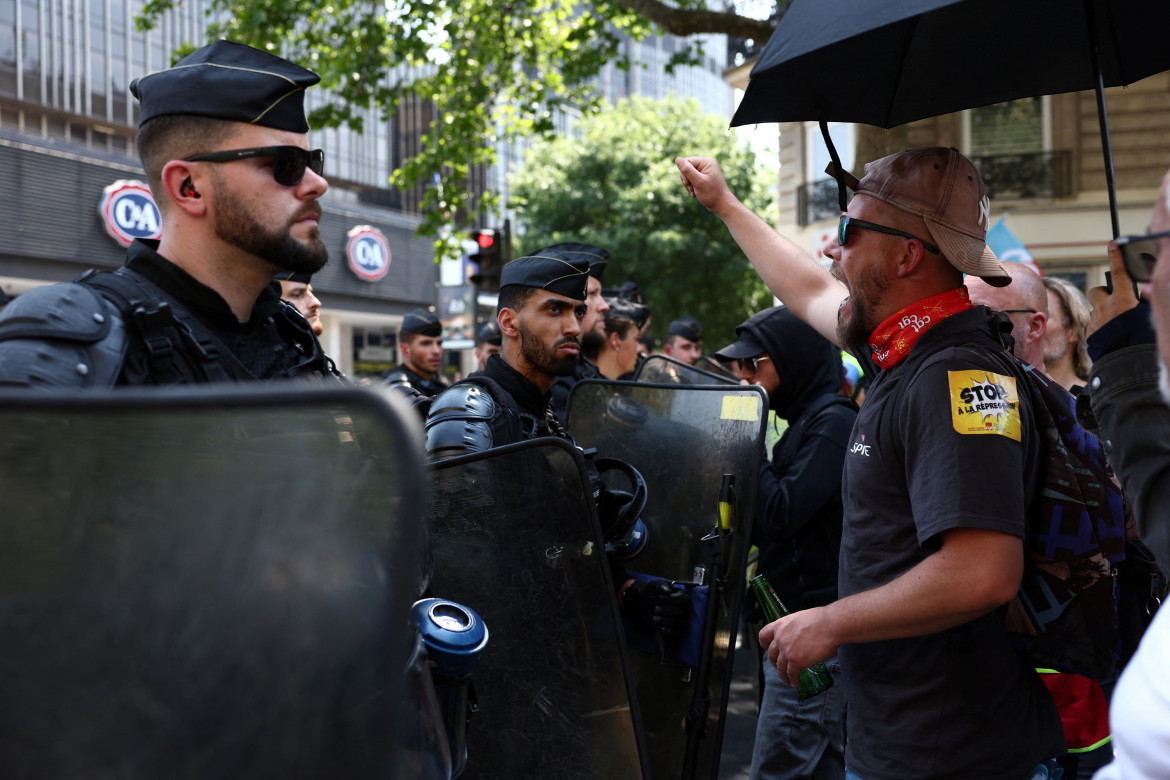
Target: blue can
x,y
453,633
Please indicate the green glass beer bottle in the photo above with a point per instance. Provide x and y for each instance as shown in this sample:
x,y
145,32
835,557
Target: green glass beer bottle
x,y
816,679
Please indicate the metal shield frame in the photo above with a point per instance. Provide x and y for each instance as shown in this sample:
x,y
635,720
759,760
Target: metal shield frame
x,y
665,369
515,536
683,439
207,582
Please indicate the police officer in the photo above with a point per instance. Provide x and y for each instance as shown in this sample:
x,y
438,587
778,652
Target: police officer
x,y
297,289
487,343
540,309
684,340
420,340
592,324
222,139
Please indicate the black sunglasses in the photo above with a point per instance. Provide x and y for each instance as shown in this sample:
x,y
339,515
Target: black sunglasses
x,y
288,162
848,222
1140,253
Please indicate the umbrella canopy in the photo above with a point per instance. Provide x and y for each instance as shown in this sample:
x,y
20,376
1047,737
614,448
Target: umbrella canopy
x,y
889,62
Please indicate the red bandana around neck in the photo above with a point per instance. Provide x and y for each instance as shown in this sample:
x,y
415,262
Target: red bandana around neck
x,y
892,340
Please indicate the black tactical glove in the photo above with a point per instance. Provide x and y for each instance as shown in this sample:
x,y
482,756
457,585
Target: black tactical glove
x,y
659,605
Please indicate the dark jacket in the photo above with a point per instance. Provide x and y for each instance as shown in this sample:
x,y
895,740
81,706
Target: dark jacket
x,y
406,379
797,525
1134,424
563,386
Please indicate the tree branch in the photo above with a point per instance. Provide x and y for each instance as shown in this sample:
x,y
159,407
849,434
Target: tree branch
x,y
681,22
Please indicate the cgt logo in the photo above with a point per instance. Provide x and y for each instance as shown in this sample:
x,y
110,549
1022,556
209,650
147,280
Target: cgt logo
x,y
368,253
128,211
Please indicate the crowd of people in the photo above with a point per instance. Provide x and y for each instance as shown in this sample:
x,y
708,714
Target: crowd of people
x,y
893,531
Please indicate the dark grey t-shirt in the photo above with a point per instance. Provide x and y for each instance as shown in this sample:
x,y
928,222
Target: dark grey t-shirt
x,y
933,449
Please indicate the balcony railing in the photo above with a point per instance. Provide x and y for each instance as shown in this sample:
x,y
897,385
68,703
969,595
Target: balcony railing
x,y
1031,175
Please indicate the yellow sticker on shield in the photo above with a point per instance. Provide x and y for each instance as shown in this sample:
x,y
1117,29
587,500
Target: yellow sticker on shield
x,y
983,402
740,407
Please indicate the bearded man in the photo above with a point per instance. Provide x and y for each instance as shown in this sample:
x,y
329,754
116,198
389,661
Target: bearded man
x,y
540,309
224,145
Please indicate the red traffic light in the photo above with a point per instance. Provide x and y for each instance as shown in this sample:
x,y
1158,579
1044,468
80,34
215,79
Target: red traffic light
x,y
486,239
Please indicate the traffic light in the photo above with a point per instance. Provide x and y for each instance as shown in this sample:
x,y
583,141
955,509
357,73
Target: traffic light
x,y
488,259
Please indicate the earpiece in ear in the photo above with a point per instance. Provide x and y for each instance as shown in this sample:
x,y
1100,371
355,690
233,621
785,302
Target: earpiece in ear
x,y
188,189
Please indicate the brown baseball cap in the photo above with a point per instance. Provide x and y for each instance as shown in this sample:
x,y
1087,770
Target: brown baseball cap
x,y
945,189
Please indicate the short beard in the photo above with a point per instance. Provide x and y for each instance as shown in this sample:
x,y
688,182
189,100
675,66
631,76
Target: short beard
x,y
853,331
535,354
1055,355
235,225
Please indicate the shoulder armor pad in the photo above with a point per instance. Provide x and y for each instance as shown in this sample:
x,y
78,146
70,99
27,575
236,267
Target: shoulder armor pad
x,y
72,312
61,336
459,422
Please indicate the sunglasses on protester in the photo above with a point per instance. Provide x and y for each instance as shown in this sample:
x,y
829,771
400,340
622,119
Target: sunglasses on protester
x,y
288,162
1140,253
755,362
853,222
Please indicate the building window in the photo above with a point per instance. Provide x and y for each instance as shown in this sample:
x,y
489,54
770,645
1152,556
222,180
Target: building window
x,y
1011,145
817,198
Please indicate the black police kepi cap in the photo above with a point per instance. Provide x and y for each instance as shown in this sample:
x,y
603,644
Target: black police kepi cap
x,y
231,81
293,276
490,334
422,322
597,257
563,273
687,327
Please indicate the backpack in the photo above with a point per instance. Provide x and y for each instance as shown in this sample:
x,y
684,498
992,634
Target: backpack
x,y
1065,616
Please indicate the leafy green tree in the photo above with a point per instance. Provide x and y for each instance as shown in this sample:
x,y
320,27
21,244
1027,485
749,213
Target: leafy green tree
x,y
493,68
615,185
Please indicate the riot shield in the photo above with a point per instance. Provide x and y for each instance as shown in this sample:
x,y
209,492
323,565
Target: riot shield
x,y
667,370
684,439
515,537
209,583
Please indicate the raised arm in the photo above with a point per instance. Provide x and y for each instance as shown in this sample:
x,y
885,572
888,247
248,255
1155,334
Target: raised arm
x,y
789,272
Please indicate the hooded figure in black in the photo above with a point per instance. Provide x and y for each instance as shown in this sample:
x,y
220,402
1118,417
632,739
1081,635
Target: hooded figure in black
x,y
797,525
798,521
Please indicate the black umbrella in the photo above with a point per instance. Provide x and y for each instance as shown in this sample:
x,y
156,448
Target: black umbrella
x,y
889,62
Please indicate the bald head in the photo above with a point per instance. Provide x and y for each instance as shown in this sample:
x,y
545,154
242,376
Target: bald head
x,y
1026,302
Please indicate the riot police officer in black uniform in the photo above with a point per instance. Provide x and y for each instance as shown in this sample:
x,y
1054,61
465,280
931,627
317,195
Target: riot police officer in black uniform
x,y
223,141
592,324
541,303
420,341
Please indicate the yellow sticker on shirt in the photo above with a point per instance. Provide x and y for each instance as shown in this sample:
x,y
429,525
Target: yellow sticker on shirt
x,y
983,402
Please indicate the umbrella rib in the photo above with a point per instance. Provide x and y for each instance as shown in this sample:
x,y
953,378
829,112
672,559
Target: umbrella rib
x,y
909,36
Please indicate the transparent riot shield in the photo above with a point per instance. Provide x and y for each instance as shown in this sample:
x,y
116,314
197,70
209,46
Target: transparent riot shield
x,y
698,447
665,369
209,583
515,537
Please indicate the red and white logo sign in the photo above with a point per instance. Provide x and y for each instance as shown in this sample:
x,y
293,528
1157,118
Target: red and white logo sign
x,y
368,253
128,211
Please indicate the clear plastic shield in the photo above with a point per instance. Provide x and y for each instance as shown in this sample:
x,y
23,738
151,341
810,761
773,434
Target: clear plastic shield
x,y
516,538
684,439
664,369
206,584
